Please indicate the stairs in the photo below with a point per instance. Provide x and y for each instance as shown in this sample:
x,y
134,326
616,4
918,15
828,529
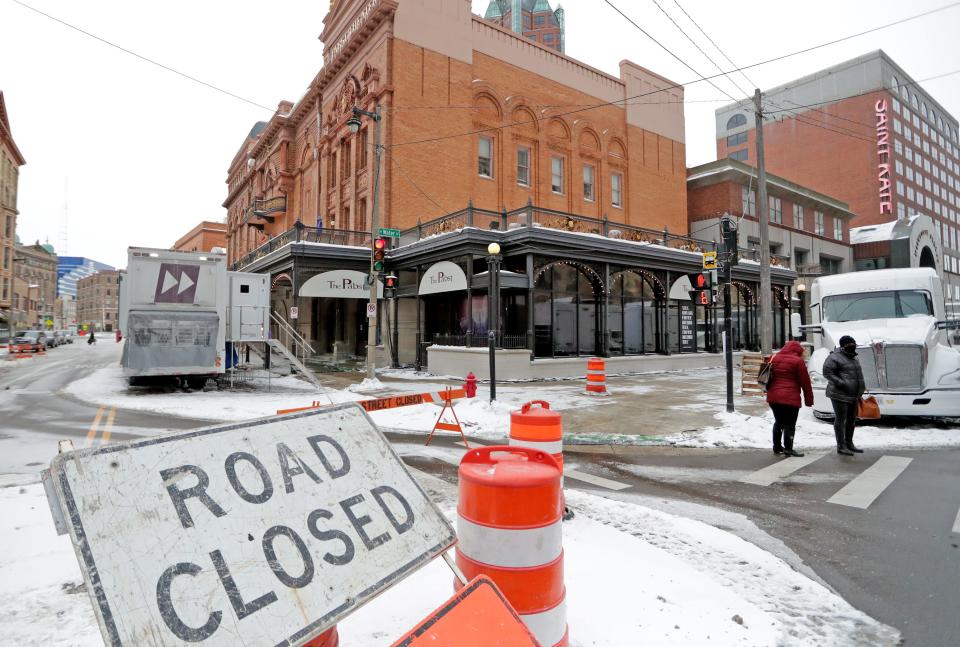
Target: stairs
x,y
295,363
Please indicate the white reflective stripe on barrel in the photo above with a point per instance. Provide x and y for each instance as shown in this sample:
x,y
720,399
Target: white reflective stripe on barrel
x,y
548,626
546,446
591,371
508,547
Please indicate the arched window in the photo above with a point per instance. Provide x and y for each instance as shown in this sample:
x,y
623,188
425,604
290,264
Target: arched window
x,y
736,121
923,109
894,84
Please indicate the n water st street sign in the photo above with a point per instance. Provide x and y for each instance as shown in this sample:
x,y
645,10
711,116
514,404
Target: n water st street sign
x,y
389,233
260,533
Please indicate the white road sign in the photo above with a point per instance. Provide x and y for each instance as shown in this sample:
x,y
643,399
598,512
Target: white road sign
x,y
260,533
371,311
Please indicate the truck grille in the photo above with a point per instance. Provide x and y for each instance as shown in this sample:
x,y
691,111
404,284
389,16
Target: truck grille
x,y
904,367
891,367
868,362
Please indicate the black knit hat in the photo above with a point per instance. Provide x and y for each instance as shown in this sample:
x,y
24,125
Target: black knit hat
x,y
847,339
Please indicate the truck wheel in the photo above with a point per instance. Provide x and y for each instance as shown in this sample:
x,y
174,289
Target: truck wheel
x,y
196,383
825,417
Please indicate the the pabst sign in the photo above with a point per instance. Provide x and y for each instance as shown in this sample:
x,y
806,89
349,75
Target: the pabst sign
x,y
443,277
339,284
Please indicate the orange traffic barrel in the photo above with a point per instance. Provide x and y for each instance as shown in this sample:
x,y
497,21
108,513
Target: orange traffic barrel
x,y
596,376
537,427
329,638
509,518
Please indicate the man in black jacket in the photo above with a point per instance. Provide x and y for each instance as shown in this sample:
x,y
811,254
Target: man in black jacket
x,y
845,387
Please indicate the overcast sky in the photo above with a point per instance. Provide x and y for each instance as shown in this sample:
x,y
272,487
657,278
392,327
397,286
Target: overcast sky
x,y
139,155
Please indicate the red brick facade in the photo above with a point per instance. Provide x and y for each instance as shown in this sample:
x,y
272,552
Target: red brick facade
x,y
203,238
436,107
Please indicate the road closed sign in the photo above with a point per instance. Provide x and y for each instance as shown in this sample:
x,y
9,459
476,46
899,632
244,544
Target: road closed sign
x,y
260,533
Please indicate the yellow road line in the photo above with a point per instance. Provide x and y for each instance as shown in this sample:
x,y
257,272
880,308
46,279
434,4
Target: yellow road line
x,y
92,432
105,435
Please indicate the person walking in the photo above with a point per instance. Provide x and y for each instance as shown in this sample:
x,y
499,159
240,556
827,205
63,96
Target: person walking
x,y
845,386
788,378
91,339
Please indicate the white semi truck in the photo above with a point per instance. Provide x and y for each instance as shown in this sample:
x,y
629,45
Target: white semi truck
x,y
180,313
909,352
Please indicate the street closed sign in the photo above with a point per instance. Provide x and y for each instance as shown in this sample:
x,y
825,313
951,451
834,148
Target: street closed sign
x,y
260,533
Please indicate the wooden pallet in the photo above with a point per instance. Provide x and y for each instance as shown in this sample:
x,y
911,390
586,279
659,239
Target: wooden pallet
x,y
750,369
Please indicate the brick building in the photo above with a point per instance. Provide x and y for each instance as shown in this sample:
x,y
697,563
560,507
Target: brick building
x,y
98,301
10,162
865,132
485,139
203,238
534,19
34,287
809,233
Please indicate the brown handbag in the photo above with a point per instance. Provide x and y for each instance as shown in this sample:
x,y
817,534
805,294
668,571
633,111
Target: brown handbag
x,y
868,408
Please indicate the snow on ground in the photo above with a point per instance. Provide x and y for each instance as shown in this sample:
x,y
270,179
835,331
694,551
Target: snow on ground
x,y
107,386
367,385
478,416
741,430
634,576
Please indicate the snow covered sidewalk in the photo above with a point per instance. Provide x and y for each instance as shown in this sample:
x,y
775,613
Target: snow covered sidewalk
x,y
634,576
742,430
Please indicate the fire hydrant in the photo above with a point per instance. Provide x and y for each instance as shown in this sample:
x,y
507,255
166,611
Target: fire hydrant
x,y
119,335
470,386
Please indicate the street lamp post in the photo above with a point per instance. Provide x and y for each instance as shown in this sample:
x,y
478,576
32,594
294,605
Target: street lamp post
x,y
353,123
493,270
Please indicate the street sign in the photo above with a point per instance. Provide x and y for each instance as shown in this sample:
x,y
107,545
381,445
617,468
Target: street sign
x,y
371,311
390,233
294,312
709,260
262,533
477,616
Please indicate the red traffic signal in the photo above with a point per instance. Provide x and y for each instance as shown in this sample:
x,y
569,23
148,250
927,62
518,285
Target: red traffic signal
x,y
380,243
700,280
390,282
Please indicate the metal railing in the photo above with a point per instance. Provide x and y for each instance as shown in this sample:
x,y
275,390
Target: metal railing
x,y
301,233
531,216
477,340
293,341
776,260
266,207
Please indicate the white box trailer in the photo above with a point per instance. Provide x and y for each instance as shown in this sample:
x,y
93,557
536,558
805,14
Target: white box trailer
x,y
179,309
910,357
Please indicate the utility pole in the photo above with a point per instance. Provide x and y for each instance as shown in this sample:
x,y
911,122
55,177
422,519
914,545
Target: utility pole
x,y
766,295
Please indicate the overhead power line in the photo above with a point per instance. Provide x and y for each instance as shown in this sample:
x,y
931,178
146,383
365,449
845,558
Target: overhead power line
x,y
712,42
680,85
144,58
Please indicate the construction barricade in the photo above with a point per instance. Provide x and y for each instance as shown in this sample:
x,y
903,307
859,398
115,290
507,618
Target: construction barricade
x,y
596,376
329,638
509,528
537,427
446,425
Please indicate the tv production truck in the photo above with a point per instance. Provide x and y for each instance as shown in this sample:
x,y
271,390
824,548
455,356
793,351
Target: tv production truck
x,y
909,352
181,313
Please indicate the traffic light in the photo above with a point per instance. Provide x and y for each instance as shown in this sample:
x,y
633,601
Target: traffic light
x,y
390,286
701,280
379,250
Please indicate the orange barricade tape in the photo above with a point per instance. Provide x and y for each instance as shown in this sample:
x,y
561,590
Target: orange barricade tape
x,y
315,405
378,404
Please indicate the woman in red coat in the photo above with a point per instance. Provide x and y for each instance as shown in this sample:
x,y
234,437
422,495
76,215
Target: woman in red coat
x,y
788,377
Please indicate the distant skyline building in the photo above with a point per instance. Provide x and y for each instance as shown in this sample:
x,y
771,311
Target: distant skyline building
x,y
71,269
534,19
864,132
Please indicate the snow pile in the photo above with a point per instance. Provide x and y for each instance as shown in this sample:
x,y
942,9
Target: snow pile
x,y
633,576
741,430
107,386
367,385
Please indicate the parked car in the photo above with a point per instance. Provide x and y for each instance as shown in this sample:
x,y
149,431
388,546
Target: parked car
x,y
67,336
56,338
38,336
25,345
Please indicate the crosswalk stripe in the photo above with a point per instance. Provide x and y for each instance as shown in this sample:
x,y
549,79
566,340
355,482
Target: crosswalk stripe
x,y
453,458
781,469
956,524
599,481
863,490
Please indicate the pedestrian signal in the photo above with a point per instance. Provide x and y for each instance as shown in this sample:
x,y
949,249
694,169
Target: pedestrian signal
x,y
700,281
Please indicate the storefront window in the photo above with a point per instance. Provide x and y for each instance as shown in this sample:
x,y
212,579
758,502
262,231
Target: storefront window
x,y
634,316
567,306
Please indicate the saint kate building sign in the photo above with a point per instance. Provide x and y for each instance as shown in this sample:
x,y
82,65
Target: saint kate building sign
x,y
883,155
